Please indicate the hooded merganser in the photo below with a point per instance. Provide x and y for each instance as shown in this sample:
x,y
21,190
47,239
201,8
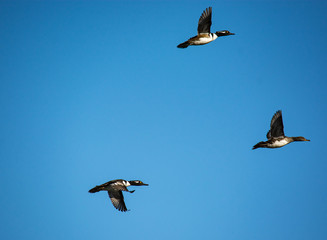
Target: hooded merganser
x,y
275,135
115,188
204,36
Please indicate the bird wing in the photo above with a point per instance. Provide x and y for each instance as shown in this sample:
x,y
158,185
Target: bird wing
x,y
116,184
117,200
205,21
276,126
107,184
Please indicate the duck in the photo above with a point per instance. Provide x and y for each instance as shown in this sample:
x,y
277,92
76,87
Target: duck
x,y
204,35
115,188
276,137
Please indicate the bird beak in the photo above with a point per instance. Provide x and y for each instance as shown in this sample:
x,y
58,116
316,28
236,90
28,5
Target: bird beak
x,y
231,33
307,140
145,184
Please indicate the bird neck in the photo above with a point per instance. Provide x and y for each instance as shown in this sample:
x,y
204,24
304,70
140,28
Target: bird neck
x,y
133,183
220,34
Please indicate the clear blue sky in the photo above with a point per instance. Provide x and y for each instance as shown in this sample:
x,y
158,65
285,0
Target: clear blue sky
x,y
95,91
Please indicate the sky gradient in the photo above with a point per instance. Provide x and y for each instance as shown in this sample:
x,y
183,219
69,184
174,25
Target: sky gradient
x,y
95,91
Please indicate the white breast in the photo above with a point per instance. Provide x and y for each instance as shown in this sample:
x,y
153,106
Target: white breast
x,y
203,41
207,39
278,143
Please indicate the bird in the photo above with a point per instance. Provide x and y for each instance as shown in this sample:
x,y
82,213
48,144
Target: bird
x,y
115,188
276,137
204,36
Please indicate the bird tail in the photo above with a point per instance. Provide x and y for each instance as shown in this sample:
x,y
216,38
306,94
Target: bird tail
x,y
259,145
96,189
184,44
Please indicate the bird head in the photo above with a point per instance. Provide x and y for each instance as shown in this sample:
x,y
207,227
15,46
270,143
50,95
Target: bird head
x,y
138,183
224,33
300,139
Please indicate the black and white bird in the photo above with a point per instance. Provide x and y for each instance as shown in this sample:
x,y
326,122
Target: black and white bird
x,y
276,137
115,188
204,35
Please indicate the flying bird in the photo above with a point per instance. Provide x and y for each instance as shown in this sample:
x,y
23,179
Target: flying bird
x,y
204,36
115,188
276,137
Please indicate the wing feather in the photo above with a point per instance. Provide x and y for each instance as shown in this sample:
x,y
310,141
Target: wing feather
x,y
205,21
276,126
117,200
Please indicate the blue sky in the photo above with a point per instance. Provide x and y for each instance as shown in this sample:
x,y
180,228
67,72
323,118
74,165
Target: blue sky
x,y
95,91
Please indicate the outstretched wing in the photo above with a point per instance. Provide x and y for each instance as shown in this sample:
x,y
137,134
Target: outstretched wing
x,y
205,21
117,200
276,126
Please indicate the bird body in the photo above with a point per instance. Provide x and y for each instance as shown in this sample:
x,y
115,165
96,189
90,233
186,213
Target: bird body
x,y
115,188
204,35
276,137
274,143
278,142
203,38
113,185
